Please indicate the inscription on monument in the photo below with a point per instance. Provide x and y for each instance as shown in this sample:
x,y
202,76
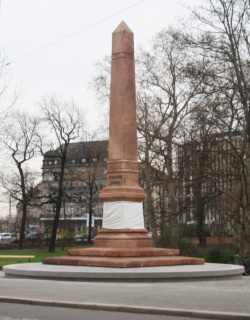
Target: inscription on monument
x,y
115,180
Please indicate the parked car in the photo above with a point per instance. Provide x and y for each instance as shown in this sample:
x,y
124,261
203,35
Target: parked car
x,y
31,236
5,237
34,236
84,236
81,237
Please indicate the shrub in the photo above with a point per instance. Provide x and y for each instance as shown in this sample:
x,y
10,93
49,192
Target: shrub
x,y
67,235
189,231
170,237
15,241
219,254
188,249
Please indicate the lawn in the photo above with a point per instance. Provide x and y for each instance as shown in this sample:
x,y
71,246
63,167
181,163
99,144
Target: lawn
x,y
39,254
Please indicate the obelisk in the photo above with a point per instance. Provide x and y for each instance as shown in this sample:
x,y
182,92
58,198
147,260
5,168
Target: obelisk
x,y
123,241
123,196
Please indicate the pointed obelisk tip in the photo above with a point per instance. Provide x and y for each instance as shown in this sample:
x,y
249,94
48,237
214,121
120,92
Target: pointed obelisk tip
x,y
123,27
122,40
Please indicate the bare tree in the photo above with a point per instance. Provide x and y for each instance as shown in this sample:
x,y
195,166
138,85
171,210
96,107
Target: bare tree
x,y
20,141
221,35
65,123
8,96
198,156
172,80
100,83
91,175
148,157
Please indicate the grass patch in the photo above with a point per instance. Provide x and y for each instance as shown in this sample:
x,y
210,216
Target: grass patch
x,y
39,254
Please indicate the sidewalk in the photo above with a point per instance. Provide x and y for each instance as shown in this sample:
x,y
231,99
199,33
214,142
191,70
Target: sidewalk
x,y
206,299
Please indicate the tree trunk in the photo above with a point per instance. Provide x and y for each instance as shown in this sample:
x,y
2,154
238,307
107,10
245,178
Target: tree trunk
x,y
24,205
58,207
149,203
246,232
22,231
54,228
171,220
90,219
200,225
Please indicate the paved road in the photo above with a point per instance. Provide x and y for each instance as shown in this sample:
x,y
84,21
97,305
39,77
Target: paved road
x,y
24,312
230,297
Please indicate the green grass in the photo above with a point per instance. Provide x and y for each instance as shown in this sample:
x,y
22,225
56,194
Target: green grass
x,y
38,253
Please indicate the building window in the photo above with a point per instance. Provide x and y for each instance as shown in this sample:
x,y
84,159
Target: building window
x,y
105,159
83,160
73,161
50,162
55,162
51,214
94,159
82,210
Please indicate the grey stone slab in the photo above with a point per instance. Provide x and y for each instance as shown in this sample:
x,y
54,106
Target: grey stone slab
x,y
81,273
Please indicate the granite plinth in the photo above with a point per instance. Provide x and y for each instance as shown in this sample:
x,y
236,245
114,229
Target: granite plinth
x,y
123,262
121,194
123,238
135,250
123,252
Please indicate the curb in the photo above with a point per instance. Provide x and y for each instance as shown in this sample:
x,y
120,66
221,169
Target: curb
x,y
130,309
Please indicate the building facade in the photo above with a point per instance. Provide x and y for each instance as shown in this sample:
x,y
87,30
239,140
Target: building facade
x,y
84,178
210,175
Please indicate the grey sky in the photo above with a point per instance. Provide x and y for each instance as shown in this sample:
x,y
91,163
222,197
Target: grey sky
x,y
67,66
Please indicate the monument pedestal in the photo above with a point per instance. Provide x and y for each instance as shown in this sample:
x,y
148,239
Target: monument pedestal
x,y
123,249
124,238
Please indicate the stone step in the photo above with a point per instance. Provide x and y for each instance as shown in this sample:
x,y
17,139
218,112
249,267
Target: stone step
x,y
123,252
123,262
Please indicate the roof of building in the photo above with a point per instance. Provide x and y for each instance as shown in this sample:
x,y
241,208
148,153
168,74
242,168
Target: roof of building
x,y
81,150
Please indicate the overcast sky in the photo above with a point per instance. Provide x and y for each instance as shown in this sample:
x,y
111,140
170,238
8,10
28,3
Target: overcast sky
x,y
66,67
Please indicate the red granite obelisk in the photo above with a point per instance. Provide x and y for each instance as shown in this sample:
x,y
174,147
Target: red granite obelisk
x,y
123,197
122,180
123,241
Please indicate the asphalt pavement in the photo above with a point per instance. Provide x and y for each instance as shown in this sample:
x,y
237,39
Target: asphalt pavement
x,y
225,299
28,312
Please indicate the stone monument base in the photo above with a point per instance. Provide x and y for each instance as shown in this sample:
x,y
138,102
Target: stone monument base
x,y
123,249
123,238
